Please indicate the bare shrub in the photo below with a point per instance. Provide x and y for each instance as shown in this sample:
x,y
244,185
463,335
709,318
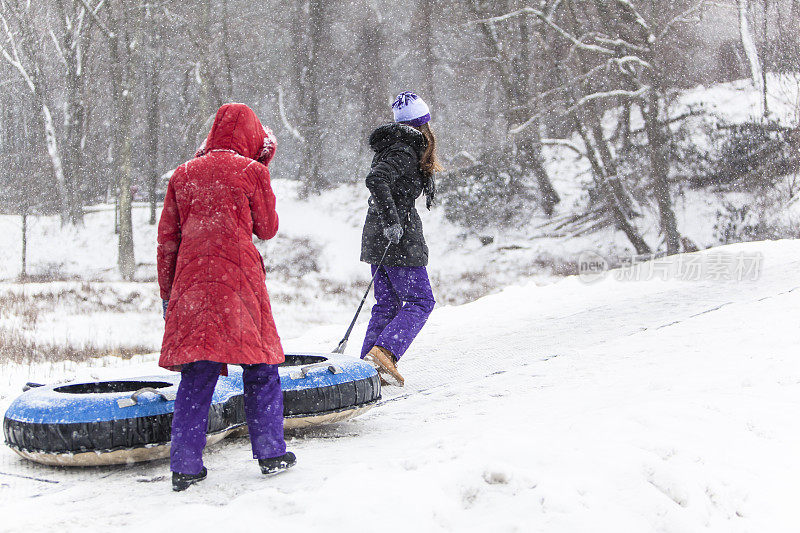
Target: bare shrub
x,y
16,348
492,193
743,224
293,258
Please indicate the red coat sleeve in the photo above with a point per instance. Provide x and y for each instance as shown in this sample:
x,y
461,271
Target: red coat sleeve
x,y
169,240
262,206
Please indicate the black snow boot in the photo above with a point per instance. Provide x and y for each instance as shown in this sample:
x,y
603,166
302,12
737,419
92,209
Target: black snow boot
x,y
184,481
275,465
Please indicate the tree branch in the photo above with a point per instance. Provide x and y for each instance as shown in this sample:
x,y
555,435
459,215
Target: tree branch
x,y
93,13
282,112
13,58
578,43
682,18
58,46
565,143
617,93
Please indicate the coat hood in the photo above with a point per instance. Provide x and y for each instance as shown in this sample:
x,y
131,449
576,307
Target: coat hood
x,y
393,132
236,127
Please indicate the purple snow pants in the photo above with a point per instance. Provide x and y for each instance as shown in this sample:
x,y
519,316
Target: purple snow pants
x,y
263,406
404,303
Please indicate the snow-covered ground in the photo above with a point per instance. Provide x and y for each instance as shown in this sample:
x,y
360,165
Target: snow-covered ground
x,y
632,404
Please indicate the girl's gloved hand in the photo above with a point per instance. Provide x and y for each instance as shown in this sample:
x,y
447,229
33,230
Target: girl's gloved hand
x,y
393,233
164,304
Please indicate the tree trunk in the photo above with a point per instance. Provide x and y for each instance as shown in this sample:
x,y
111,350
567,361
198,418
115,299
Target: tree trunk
x,y
615,210
375,95
749,45
513,79
625,22
423,33
625,127
74,111
73,125
311,79
153,115
34,78
600,157
55,160
659,168
121,74
611,169
153,129
205,107
226,52
764,58
612,183
531,160
126,259
531,148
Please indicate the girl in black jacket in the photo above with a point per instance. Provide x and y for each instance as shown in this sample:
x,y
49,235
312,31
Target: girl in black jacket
x,y
392,240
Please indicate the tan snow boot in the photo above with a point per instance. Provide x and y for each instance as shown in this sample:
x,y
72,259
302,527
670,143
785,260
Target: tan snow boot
x,y
383,361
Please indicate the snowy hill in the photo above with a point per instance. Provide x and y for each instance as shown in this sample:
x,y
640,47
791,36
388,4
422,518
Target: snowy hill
x,y
657,405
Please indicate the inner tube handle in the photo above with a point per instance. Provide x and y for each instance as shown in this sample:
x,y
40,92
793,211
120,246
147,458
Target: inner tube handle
x,y
303,373
134,399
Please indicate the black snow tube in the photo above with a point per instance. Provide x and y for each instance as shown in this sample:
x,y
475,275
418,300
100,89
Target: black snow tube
x,y
318,385
113,422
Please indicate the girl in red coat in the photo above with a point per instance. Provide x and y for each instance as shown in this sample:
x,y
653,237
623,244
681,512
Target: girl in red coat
x,y
212,281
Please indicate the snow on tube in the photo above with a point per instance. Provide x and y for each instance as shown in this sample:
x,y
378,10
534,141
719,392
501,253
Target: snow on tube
x,y
129,420
108,422
325,388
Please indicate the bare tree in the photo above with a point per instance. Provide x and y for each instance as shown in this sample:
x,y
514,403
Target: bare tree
x,y
22,48
623,42
373,72
311,30
514,78
153,60
122,31
750,49
423,32
574,79
73,37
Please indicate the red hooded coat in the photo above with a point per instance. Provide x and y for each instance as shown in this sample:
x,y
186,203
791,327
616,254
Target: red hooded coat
x,y
208,267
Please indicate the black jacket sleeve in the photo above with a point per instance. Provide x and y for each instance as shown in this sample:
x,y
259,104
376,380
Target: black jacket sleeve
x,y
382,177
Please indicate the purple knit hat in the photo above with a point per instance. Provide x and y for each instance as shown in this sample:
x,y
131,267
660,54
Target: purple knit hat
x,y
411,109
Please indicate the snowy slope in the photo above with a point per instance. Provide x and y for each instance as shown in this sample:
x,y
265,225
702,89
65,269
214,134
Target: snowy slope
x,y
620,406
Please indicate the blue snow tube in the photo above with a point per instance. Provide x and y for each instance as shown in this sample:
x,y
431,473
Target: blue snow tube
x,y
129,420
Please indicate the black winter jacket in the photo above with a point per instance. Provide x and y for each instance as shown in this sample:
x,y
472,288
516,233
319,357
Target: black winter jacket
x,y
395,181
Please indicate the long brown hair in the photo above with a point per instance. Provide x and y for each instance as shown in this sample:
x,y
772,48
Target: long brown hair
x,y
429,163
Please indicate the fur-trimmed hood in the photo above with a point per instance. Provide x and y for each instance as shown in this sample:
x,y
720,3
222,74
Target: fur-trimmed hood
x,y
393,132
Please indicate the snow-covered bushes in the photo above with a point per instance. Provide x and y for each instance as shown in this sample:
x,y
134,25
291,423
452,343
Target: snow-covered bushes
x,y
491,193
753,154
739,224
748,222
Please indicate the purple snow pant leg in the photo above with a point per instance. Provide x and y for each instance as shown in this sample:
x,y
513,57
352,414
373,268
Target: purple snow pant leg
x,y
190,418
404,301
263,409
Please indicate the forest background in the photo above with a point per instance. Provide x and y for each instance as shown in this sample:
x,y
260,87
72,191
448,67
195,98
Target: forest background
x,y
101,99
